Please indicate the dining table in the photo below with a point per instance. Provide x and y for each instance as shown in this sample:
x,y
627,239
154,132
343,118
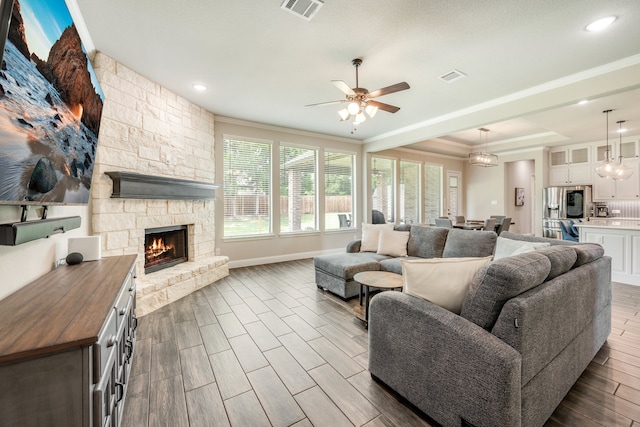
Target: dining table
x,y
469,225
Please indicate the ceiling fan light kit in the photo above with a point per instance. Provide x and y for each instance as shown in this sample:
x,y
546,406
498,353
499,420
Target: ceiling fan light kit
x,y
360,100
483,158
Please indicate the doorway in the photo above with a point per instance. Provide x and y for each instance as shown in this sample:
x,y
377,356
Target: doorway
x,y
520,176
454,183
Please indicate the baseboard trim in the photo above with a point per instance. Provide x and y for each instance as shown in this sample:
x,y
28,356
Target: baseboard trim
x,y
281,258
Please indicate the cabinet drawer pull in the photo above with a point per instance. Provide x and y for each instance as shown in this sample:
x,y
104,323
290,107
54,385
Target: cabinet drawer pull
x,y
119,392
129,349
111,341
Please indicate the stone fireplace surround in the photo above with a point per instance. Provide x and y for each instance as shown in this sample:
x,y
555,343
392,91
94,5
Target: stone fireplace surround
x,y
148,129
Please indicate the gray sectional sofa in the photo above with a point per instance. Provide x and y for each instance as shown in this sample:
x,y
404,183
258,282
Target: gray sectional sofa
x,y
529,326
335,272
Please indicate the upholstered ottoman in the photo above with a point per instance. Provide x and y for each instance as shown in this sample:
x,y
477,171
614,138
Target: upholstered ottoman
x,y
335,272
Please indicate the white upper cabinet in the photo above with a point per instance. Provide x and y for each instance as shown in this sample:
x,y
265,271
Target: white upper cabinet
x,y
570,166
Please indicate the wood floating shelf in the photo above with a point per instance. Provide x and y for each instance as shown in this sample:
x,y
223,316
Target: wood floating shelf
x,y
128,185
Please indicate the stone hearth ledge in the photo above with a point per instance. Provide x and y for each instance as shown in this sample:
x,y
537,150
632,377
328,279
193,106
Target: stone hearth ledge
x,y
162,287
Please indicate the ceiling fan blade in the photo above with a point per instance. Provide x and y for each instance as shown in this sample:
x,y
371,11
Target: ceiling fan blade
x,y
383,106
343,87
320,104
389,89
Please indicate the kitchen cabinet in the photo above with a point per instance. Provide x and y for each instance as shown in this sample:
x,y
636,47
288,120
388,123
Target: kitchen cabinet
x,y
621,241
607,189
570,166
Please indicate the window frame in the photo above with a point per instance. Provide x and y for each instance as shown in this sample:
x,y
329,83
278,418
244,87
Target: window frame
x,y
316,149
270,187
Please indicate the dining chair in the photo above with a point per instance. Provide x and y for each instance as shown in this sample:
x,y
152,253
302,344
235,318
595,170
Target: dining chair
x,y
344,221
489,224
567,229
460,219
377,217
497,217
443,223
503,226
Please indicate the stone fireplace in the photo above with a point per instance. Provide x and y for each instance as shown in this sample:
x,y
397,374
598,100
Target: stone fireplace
x,y
149,130
164,247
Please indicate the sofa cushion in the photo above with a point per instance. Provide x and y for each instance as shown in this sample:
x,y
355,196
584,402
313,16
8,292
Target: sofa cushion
x,y
394,265
587,252
370,236
442,281
393,243
500,281
507,247
426,242
469,243
562,259
346,267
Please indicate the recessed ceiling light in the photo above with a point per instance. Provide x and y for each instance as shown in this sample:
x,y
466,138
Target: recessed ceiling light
x,y
584,101
621,130
199,87
601,24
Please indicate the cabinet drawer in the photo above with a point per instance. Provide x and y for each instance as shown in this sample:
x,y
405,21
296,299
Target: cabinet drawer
x,y
105,394
127,293
107,340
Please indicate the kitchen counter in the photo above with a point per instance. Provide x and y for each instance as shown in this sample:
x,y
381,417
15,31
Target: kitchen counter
x,y
617,223
620,238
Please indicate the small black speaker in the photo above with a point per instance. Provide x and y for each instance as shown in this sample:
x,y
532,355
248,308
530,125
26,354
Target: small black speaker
x,y
74,258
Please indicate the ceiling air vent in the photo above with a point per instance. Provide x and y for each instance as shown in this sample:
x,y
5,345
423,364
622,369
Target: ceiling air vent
x,y
305,9
452,76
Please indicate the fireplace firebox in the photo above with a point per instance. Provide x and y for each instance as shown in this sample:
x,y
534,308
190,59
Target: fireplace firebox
x,y
164,247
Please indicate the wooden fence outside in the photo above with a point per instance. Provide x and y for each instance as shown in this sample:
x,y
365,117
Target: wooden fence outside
x,y
249,205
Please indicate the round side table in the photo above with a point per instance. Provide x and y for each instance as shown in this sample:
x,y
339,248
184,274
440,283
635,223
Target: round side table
x,y
377,280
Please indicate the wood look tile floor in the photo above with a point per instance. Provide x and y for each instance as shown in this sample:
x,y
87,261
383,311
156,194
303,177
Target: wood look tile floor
x,y
265,347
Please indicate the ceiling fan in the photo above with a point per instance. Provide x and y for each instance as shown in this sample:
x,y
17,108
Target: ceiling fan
x,y
359,99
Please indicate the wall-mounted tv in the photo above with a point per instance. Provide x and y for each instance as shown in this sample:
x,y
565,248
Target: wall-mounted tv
x,y
50,106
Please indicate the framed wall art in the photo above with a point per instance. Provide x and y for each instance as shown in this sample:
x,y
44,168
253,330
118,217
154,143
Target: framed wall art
x,y
519,196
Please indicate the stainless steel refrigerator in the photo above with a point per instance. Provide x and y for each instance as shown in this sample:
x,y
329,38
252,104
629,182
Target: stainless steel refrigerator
x,y
564,203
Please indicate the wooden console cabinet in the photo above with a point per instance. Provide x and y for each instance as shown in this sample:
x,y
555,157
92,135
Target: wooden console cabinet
x,y
66,346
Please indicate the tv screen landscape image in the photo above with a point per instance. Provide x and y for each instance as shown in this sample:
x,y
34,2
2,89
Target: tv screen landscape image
x,y
50,108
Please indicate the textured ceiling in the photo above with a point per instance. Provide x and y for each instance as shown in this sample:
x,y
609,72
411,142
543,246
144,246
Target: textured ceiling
x,y
526,62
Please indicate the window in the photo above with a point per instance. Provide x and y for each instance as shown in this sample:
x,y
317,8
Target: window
x,y
247,188
338,190
432,193
298,171
382,186
454,193
409,192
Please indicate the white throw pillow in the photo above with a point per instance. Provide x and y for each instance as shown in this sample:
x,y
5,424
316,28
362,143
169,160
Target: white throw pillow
x,y
370,236
393,243
443,281
508,247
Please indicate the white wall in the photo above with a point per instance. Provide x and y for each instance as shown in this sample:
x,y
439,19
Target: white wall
x,y
276,248
20,265
484,186
519,175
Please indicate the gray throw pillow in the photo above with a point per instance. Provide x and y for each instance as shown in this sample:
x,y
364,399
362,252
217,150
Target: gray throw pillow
x,y
426,242
469,243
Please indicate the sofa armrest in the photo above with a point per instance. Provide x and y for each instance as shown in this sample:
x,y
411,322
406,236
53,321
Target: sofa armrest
x,y
353,246
447,366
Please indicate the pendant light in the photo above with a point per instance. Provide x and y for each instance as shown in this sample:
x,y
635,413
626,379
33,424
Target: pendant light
x,y
483,158
607,167
622,171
